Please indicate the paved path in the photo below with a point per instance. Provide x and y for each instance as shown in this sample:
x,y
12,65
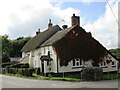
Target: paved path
x,y
17,82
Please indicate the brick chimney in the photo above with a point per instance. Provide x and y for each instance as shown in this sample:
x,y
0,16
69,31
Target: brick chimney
x,y
50,24
75,20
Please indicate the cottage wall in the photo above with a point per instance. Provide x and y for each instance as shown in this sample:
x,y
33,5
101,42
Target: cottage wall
x,y
35,62
53,65
109,67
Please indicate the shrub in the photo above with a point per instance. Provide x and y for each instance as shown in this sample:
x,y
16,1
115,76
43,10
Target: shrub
x,y
92,73
22,71
3,65
21,65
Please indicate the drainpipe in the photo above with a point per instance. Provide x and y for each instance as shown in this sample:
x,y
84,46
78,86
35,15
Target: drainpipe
x,y
57,65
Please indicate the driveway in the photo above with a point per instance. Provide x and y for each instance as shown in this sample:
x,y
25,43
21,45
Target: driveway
x,y
17,82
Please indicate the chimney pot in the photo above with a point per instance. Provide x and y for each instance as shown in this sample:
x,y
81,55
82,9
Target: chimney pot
x,y
75,20
50,24
73,14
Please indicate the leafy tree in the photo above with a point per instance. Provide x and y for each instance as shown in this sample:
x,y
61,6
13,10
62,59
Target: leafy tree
x,y
11,48
17,45
115,52
6,48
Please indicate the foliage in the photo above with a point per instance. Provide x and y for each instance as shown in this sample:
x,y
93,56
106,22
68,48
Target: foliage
x,y
6,64
62,79
6,48
12,48
35,76
20,65
21,71
115,52
111,76
92,73
77,43
17,45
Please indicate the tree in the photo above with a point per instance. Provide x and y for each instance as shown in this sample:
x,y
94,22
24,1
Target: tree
x,y
17,45
115,52
12,48
6,48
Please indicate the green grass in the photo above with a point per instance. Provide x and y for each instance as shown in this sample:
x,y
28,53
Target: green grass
x,y
110,76
68,78
19,75
35,76
63,79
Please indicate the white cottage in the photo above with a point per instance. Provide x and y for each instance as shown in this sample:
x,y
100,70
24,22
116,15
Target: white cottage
x,y
40,51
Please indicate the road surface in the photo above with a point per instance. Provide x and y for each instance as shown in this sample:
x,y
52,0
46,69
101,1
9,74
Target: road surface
x,y
17,82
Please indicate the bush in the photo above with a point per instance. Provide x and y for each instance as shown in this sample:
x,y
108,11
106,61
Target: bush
x,y
3,65
92,73
22,71
21,65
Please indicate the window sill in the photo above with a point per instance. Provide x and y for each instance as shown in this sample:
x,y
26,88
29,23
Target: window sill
x,y
113,66
103,66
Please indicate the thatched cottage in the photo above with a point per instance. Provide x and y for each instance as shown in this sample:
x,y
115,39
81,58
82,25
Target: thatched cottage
x,y
70,49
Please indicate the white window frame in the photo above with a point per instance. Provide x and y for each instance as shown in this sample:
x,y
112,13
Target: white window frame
x,y
49,49
114,63
103,64
78,61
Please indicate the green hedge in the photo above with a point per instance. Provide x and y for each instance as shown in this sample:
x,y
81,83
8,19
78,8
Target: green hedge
x,y
92,73
6,64
22,71
21,65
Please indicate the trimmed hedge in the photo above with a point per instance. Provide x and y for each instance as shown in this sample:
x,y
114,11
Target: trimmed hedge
x,y
21,65
92,73
22,71
3,65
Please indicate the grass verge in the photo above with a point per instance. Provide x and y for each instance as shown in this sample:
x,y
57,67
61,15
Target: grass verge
x,y
111,76
39,77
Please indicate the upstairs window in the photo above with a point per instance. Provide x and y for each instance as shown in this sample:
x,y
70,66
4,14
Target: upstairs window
x,y
113,63
78,62
103,64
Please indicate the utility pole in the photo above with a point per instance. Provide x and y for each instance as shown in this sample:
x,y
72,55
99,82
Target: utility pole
x,y
118,25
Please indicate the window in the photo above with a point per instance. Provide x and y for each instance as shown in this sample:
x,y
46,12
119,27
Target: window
x,y
113,63
49,49
78,62
103,64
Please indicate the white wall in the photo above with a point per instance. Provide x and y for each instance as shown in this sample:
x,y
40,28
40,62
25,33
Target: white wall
x,y
109,67
53,65
36,62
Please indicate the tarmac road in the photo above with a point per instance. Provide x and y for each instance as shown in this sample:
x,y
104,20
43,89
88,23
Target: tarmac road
x,y
17,82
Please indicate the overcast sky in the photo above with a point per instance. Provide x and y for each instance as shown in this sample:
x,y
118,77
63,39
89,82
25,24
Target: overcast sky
x,y
23,17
